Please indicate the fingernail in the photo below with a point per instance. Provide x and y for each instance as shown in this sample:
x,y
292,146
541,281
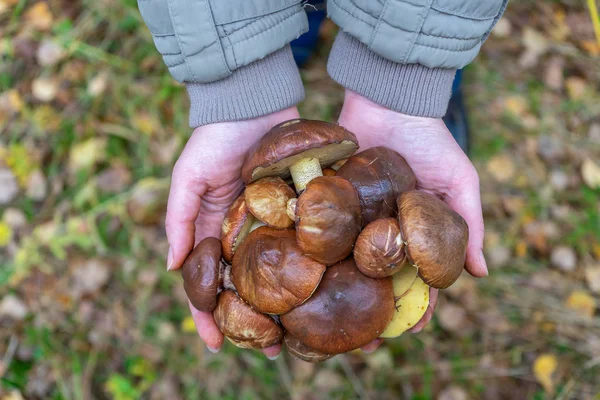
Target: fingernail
x,y
483,263
170,259
214,351
273,358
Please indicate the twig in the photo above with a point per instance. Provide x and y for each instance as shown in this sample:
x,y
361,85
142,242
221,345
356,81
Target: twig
x,y
354,380
285,375
8,356
595,18
567,389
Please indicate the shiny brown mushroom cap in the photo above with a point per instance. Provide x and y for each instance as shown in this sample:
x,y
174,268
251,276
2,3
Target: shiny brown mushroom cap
x,y
236,226
436,237
328,219
267,200
304,353
379,175
379,249
201,273
347,311
291,141
271,273
243,326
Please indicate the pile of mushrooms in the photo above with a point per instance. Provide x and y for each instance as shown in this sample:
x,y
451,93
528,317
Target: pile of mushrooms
x,y
324,250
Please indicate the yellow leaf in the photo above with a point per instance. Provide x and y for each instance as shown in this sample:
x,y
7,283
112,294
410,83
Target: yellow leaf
x,y
576,87
85,154
516,105
590,172
521,249
21,163
5,234
188,325
145,124
582,303
543,368
591,47
501,167
39,16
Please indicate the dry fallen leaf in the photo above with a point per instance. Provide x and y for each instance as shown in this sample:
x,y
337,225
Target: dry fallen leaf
x,y
543,368
39,16
501,167
553,74
576,87
49,53
564,258
590,172
44,89
6,233
87,153
582,303
453,393
97,85
592,276
9,185
12,307
503,28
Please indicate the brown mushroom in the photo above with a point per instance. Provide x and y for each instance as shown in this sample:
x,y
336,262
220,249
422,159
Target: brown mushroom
x,y
202,273
347,311
304,353
379,249
379,175
271,273
436,237
299,147
329,172
236,226
267,200
243,326
328,219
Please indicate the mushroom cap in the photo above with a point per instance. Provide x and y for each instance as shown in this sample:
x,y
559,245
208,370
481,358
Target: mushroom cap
x,y
271,273
201,273
347,311
243,326
379,249
236,226
291,141
436,237
304,353
379,175
267,200
328,219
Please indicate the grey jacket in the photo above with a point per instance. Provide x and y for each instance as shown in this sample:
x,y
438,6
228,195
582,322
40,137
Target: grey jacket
x,y
235,60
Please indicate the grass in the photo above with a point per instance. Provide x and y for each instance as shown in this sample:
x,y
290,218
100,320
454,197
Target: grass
x,y
127,337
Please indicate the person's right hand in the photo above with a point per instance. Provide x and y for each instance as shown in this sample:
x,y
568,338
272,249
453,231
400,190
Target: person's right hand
x,y
205,182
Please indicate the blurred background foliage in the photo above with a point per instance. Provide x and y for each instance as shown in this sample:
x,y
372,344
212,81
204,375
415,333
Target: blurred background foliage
x,y
90,126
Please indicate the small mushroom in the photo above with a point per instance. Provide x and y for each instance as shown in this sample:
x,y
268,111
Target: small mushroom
x,y
379,249
299,147
304,353
329,172
236,226
436,237
328,219
271,273
267,200
243,326
202,274
347,311
379,175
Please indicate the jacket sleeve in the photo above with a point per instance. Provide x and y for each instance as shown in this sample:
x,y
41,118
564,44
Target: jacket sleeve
x,y
232,55
403,54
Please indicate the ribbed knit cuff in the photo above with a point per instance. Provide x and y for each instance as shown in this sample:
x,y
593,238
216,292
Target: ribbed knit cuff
x,y
263,87
407,88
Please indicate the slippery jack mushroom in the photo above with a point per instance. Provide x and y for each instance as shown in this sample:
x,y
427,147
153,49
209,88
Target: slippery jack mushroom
x,y
204,275
237,224
379,249
305,353
243,326
300,148
436,237
271,273
267,200
328,219
379,175
347,311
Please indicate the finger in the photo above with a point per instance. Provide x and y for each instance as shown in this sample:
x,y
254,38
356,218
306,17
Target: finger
x,y
371,347
465,199
433,295
272,352
207,329
182,211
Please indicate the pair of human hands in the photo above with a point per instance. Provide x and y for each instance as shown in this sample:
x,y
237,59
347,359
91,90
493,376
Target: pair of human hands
x,y
206,180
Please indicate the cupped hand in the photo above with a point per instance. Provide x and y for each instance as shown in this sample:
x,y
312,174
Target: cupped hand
x,y
205,182
441,168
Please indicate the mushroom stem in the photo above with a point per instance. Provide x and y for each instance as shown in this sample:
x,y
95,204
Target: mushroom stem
x,y
256,224
226,282
305,171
